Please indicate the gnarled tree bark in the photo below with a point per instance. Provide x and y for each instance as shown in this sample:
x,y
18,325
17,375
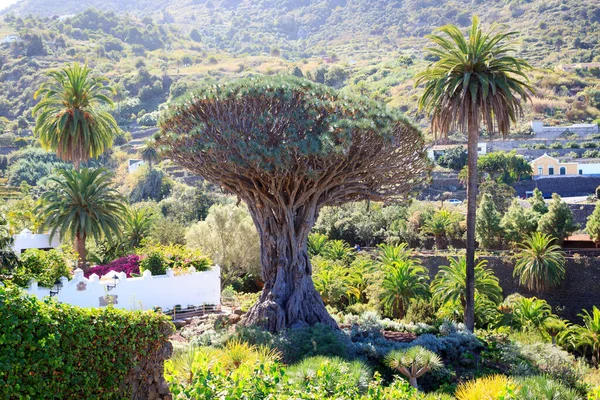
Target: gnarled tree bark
x,y
287,147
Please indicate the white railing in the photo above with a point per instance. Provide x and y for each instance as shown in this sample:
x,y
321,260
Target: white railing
x,y
143,293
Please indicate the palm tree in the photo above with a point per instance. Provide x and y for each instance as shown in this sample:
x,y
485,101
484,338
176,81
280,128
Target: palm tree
x,y
439,225
389,254
137,225
476,80
71,121
413,362
540,263
588,335
449,285
403,281
81,205
149,153
8,259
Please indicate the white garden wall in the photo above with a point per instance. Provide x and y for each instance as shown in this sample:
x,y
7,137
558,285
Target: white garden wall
x,y
146,292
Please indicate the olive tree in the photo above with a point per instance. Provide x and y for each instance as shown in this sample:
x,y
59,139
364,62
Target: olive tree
x,y
287,147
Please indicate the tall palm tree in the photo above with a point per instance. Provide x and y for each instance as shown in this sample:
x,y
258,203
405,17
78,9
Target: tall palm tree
x,y
475,82
71,120
403,281
540,262
449,285
81,205
149,153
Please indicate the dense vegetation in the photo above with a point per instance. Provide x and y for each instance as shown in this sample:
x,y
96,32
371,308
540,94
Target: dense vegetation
x,y
50,349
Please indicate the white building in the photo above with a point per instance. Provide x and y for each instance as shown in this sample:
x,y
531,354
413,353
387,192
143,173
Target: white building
x,y
437,150
142,293
28,240
555,131
134,164
10,39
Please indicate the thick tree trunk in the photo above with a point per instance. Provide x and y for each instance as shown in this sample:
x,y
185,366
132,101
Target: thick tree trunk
x,y
289,298
471,215
80,248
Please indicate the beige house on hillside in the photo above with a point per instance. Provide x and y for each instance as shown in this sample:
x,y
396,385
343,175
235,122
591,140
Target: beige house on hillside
x,y
547,166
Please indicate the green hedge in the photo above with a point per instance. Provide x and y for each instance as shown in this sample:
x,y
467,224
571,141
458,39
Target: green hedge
x,y
51,351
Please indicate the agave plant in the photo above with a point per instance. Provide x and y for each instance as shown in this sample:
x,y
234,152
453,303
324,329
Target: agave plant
x,y
413,362
540,263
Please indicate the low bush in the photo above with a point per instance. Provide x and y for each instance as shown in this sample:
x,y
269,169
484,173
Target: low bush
x,y
239,371
296,344
129,264
158,258
45,267
51,349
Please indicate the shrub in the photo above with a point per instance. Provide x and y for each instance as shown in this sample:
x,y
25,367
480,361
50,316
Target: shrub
x,y
51,349
43,266
591,154
589,145
572,145
129,264
489,387
543,388
296,344
158,258
556,145
329,373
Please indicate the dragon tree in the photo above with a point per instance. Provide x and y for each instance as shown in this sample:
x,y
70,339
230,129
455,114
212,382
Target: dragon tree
x,y
287,147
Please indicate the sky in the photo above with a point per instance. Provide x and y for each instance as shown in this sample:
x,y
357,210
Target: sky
x,y
6,3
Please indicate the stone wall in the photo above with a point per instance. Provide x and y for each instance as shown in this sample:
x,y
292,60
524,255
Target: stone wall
x,y
146,381
580,289
566,186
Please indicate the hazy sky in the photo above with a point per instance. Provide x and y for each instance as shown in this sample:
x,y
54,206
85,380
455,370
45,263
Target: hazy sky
x,y
6,3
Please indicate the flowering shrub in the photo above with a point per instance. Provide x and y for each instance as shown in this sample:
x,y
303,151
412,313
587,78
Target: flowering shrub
x,y
129,264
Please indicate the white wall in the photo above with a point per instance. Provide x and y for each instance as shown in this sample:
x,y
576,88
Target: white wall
x,y
146,292
590,169
27,240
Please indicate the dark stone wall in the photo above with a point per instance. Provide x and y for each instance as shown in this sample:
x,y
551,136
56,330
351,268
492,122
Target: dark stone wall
x,y
565,186
580,289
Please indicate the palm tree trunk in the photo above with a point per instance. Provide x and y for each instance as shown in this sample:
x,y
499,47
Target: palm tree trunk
x,y
77,164
80,248
471,214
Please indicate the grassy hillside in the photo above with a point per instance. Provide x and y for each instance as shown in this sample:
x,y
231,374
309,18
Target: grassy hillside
x,y
155,51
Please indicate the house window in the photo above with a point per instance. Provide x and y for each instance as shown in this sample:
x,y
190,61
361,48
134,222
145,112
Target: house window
x,y
563,171
551,170
580,172
540,170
